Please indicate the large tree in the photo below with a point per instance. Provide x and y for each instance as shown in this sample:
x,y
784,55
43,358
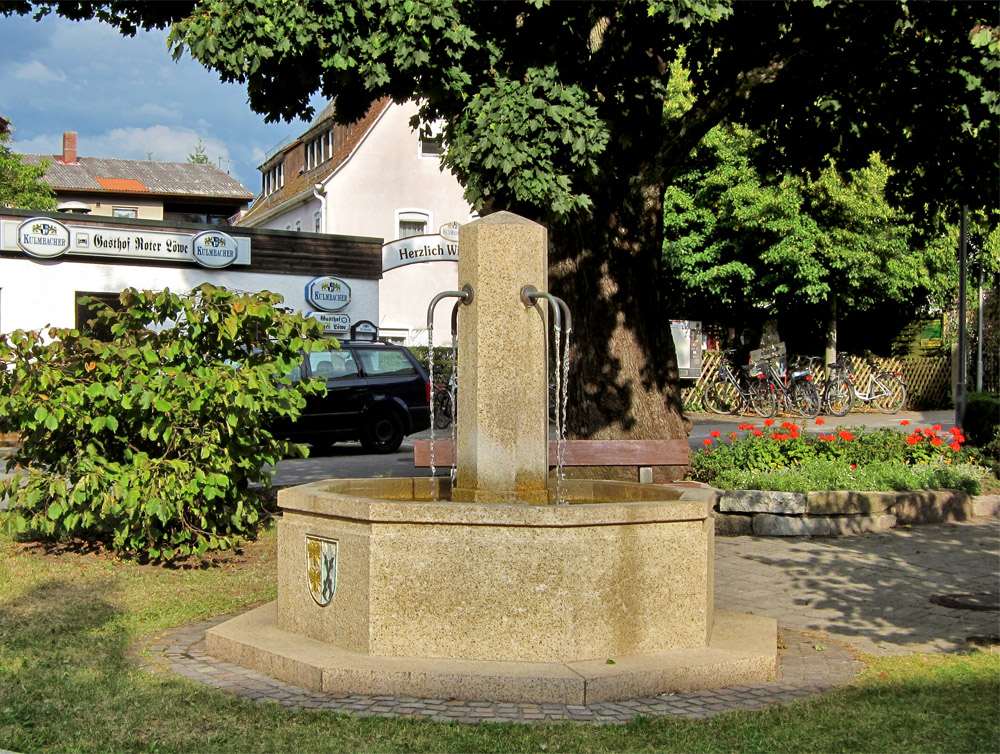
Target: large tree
x,y
557,111
742,245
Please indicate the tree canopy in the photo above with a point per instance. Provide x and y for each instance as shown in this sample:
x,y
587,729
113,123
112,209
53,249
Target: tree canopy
x,y
21,185
560,111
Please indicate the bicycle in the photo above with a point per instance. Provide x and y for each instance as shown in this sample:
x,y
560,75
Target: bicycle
x,y
726,395
443,403
885,390
796,392
838,393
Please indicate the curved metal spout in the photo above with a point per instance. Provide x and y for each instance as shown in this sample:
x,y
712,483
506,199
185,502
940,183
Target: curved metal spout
x,y
466,295
530,294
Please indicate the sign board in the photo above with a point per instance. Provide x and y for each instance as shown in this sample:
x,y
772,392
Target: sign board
x,y
328,294
687,344
364,330
42,237
332,322
415,249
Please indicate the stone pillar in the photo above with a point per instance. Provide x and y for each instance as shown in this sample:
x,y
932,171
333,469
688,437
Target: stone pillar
x,y
502,433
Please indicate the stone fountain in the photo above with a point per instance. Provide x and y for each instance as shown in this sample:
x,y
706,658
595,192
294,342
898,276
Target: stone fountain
x,y
484,589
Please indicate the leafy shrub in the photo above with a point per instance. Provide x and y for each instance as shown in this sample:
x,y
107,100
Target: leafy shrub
x,y
982,422
147,441
786,458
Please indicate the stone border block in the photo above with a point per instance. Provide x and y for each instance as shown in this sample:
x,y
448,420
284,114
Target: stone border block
x,y
768,525
763,501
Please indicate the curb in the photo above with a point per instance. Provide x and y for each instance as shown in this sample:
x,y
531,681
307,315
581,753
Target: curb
x,y
841,512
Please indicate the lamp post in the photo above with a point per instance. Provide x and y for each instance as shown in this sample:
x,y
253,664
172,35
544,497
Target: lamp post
x,y
960,386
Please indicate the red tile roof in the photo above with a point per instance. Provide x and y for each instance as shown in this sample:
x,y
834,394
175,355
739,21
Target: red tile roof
x,y
121,184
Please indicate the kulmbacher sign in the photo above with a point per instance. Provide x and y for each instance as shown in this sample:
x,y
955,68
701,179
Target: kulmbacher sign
x,y
42,237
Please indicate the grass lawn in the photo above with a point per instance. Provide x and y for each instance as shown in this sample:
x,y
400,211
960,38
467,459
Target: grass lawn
x,y
68,621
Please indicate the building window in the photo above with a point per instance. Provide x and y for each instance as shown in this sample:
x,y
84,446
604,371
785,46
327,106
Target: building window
x,y
85,313
125,212
273,179
412,222
318,150
431,141
317,222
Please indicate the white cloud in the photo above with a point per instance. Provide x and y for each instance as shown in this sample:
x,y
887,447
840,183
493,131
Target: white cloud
x,y
166,144
37,72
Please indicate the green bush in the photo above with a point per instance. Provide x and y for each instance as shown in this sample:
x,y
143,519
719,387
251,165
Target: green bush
x,y
148,441
982,422
787,458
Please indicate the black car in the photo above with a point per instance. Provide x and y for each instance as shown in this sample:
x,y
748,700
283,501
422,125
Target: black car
x,y
376,392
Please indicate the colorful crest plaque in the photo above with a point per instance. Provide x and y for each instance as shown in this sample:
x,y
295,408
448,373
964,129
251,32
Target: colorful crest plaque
x,y
321,568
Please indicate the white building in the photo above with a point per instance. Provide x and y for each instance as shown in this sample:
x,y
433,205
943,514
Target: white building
x,y
380,178
49,260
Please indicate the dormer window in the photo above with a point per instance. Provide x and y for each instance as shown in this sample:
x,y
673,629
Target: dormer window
x,y
319,150
273,179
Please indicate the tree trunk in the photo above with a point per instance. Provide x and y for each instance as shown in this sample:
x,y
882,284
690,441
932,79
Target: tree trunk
x,y
623,373
830,355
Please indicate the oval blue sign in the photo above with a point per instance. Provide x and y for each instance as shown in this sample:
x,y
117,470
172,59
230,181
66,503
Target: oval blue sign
x,y
328,294
42,237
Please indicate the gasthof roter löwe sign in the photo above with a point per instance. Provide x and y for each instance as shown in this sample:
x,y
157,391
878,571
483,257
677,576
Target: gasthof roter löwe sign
x,y
45,238
328,294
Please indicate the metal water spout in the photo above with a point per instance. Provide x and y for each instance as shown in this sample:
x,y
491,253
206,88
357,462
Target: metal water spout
x,y
465,297
562,329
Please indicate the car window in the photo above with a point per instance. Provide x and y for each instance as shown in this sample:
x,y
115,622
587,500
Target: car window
x,y
337,365
385,361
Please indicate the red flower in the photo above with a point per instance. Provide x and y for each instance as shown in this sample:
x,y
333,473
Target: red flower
x,y
758,432
936,441
715,433
706,441
769,422
853,466
828,438
914,439
955,446
905,422
732,436
787,425
937,427
845,435
954,431
928,431
820,420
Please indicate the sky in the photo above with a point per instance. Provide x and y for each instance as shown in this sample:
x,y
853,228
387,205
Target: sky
x,y
126,98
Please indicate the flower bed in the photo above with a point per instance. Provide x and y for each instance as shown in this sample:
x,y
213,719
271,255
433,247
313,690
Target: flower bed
x,y
784,481
787,458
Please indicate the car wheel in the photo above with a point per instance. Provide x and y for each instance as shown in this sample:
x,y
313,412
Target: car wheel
x,y
383,433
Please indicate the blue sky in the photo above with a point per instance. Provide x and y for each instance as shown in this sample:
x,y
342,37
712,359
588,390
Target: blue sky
x,y
125,97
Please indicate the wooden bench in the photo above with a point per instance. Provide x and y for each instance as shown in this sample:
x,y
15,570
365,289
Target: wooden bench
x,y
644,455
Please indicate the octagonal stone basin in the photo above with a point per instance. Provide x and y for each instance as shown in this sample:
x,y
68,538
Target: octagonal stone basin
x,y
624,569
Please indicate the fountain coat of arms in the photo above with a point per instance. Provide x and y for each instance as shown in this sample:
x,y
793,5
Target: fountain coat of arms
x,y
321,568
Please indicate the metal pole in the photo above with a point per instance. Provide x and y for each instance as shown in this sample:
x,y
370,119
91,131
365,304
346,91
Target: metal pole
x,y
960,387
979,330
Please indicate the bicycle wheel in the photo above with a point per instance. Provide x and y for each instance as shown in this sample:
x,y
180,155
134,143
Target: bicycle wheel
x,y
722,397
442,409
890,392
805,399
763,399
839,396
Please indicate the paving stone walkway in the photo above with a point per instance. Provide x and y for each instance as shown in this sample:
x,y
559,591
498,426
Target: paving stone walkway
x,y
831,597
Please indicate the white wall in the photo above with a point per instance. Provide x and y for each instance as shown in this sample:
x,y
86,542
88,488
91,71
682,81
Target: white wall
x,y
35,293
386,174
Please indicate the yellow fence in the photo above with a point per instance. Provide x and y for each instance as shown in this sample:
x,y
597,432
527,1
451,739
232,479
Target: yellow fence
x,y
928,380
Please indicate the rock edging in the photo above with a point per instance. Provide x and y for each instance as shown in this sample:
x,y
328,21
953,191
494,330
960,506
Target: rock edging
x,y
828,513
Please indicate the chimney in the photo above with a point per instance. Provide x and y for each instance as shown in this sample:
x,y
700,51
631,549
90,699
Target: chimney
x,y
69,148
